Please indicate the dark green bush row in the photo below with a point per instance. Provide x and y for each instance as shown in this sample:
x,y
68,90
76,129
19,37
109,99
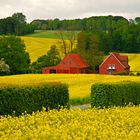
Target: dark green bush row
x,y
29,99
115,94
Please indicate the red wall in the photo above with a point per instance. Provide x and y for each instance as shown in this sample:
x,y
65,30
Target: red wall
x,y
60,70
111,60
67,66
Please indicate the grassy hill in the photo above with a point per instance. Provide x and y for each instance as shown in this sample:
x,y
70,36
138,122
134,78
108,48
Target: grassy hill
x,y
52,34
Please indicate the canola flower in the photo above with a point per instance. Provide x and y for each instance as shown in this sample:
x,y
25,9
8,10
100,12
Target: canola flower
x,y
37,47
121,123
79,84
133,60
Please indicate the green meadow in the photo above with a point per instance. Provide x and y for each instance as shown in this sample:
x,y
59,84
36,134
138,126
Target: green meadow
x,y
52,34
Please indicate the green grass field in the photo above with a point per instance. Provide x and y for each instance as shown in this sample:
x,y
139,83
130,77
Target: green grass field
x,y
52,34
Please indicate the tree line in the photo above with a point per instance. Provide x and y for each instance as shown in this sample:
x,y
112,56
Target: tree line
x,y
92,23
15,25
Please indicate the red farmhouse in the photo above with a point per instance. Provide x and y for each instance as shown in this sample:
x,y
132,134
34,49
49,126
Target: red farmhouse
x,y
114,63
72,63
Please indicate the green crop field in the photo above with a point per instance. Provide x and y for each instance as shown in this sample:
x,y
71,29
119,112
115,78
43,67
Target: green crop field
x,y
52,34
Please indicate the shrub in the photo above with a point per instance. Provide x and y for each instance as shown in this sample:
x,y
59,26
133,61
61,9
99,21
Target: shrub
x,y
29,99
115,94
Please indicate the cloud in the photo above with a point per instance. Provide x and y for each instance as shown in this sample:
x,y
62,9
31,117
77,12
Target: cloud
x,y
48,9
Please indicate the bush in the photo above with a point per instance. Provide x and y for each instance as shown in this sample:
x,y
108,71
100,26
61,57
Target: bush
x,y
115,94
29,99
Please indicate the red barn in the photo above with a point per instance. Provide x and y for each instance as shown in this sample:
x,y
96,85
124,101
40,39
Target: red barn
x,y
114,63
72,64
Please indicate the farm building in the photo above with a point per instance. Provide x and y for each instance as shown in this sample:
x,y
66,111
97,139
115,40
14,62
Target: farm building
x,y
115,63
71,64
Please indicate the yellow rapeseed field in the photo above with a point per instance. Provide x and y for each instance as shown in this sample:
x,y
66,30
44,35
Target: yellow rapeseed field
x,y
134,61
38,46
116,123
79,84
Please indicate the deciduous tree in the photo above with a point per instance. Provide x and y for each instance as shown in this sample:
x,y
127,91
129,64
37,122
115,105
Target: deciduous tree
x,y
12,49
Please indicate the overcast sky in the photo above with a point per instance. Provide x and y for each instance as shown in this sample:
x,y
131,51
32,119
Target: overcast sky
x,y
64,9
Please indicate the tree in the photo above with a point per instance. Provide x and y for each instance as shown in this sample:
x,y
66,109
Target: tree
x,y
88,46
12,49
126,39
71,37
52,58
67,41
15,25
62,42
137,20
19,22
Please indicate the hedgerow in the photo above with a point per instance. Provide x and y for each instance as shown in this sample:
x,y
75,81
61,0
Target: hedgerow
x,y
32,98
115,94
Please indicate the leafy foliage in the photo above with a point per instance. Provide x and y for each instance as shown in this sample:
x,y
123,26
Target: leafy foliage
x,y
52,58
88,47
91,23
12,49
33,98
15,25
117,94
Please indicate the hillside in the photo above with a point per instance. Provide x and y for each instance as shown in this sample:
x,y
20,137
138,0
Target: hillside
x,y
38,46
52,34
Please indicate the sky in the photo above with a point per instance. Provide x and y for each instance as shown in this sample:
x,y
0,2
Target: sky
x,y
69,9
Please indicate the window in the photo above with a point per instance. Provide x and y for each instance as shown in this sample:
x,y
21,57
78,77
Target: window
x,y
111,67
